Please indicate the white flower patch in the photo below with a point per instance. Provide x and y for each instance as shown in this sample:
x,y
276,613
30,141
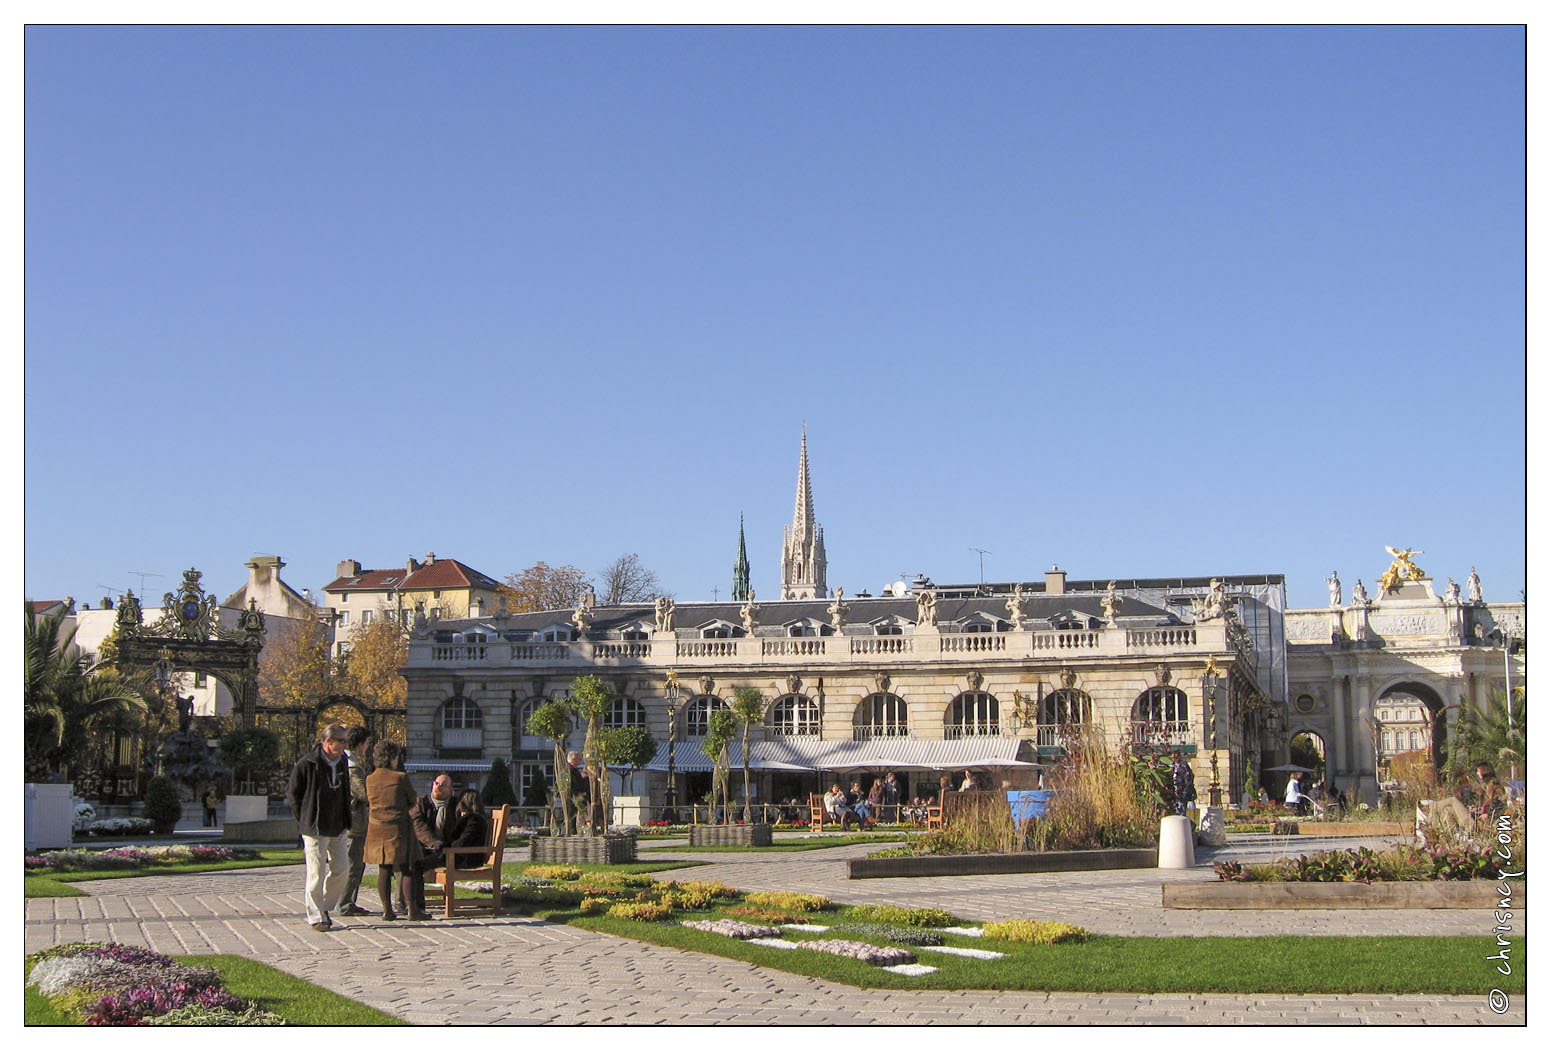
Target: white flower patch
x,y
810,927
774,943
881,955
952,950
59,974
731,928
911,970
968,932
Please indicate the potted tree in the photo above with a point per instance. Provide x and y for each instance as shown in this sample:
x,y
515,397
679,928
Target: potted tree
x,y
722,727
552,719
252,756
591,699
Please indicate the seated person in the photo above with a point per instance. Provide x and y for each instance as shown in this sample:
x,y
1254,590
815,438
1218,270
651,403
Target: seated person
x,y
471,828
838,807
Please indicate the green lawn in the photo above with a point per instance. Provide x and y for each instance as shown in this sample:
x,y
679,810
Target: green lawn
x,y
298,1002
789,845
57,885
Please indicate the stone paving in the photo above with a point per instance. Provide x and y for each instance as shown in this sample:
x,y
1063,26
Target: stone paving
x,y
524,971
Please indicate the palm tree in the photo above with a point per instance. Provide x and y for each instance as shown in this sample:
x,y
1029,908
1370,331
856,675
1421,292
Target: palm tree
x,y
1487,736
66,695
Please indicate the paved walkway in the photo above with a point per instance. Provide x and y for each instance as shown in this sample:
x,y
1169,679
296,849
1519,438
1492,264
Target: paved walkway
x,y
524,971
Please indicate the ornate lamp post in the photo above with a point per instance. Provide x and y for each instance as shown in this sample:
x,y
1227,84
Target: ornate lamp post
x,y
1209,684
672,693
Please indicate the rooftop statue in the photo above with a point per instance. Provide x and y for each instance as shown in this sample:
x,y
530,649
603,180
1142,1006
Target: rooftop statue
x,y
1335,588
1402,568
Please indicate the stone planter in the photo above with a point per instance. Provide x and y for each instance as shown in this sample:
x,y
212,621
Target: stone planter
x,y
246,808
997,864
48,815
729,835
616,848
1423,894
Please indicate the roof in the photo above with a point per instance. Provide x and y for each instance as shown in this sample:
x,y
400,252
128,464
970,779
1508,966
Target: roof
x,y
369,580
811,753
443,573
862,612
44,605
448,573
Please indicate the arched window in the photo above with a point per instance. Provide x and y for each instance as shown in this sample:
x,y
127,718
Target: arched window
x,y
522,711
1384,742
794,716
625,712
880,715
1061,712
973,714
462,725
1416,740
697,714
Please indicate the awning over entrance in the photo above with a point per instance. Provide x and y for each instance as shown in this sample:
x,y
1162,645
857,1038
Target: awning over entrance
x,y
879,754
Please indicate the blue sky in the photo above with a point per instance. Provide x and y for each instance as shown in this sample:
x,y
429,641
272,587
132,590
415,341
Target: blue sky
x,y
1140,302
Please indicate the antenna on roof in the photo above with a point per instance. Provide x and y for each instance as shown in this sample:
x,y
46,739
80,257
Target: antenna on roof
x,y
983,554
142,576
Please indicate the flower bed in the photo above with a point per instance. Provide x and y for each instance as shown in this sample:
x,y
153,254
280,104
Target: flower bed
x,y
732,928
111,984
121,826
131,857
1363,865
877,955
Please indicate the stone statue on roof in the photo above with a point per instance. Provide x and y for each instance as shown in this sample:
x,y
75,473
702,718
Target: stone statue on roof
x,y
1359,593
838,609
664,611
1451,593
1215,603
926,608
1334,583
1111,602
749,613
1473,583
1015,605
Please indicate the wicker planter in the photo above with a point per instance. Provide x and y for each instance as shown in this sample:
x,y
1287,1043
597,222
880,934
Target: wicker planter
x,y
616,848
729,835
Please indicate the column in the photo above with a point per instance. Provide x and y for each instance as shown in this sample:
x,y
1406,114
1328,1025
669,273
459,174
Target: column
x,y
1341,761
1363,747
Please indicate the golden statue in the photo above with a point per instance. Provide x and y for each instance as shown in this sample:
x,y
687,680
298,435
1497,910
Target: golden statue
x,y
1402,568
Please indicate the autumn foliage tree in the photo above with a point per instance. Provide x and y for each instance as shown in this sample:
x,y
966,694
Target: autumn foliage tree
x,y
371,669
542,586
296,671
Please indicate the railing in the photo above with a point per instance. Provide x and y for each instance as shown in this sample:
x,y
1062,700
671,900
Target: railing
x,y
616,650
540,651
458,652
1056,734
463,739
867,733
862,644
974,642
706,648
810,647
1169,734
955,731
1161,637
1065,640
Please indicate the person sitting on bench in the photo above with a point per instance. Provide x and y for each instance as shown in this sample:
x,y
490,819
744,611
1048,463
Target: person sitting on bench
x,y
838,808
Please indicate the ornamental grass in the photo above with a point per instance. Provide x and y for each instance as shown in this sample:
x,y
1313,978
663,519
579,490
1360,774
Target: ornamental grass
x,y
1035,932
789,900
900,916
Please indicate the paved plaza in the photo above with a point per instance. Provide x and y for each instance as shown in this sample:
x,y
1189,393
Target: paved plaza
x,y
520,970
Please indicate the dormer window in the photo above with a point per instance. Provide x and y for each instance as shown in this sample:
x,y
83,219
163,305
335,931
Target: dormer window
x,y
633,635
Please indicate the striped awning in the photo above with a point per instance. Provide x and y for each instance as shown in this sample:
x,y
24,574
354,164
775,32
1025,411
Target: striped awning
x,y
884,753
457,766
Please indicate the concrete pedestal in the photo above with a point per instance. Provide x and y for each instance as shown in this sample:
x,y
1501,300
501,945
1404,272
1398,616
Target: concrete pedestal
x,y
48,814
1214,827
1176,843
246,808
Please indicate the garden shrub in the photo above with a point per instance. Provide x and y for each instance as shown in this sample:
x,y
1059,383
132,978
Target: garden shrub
x,y
593,906
776,916
685,899
790,900
892,934
645,911
1035,932
559,872
900,916
163,806
713,888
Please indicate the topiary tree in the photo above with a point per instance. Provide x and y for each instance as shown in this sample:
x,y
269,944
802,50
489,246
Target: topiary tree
x,y
749,708
721,727
251,755
631,747
592,698
552,719
163,807
497,791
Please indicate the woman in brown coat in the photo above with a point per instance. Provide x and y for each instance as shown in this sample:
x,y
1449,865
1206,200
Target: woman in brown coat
x,y
392,840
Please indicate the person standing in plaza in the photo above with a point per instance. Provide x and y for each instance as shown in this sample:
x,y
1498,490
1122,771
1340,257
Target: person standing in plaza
x,y
319,794
1293,797
357,748
394,833
211,801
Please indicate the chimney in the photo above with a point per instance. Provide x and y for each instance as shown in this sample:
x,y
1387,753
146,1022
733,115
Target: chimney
x,y
348,568
1055,581
412,566
430,558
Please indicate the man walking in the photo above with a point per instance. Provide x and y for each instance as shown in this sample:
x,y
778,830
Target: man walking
x,y
319,794
357,747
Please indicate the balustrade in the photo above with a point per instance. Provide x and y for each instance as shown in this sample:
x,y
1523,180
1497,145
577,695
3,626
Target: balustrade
x,y
1168,734
866,644
616,650
540,651
458,652
792,647
1173,637
706,648
975,642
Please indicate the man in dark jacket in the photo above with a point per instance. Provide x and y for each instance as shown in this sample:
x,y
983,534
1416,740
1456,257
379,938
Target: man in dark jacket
x,y
357,747
319,794
439,812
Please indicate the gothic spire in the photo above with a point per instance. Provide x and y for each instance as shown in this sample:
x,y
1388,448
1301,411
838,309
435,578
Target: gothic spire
x,y
740,568
802,549
802,514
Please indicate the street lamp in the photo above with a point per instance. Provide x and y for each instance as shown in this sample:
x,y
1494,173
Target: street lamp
x,y
1209,684
672,693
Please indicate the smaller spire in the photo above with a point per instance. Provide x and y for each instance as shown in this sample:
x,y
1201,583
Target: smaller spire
x,y
740,568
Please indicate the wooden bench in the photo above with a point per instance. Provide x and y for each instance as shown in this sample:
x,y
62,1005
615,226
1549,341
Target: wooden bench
x,y
440,881
934,813
817,815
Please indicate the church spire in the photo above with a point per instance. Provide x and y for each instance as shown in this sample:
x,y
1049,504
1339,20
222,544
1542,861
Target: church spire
x,y
802,549
740,568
